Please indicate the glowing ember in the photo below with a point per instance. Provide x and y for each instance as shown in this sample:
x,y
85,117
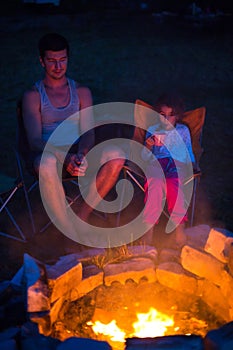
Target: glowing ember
x,y
150,324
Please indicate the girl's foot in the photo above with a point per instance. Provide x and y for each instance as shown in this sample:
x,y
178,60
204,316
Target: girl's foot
x,y
180,236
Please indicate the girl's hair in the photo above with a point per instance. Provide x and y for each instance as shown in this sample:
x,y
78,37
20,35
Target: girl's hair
x,y
173,101
53,42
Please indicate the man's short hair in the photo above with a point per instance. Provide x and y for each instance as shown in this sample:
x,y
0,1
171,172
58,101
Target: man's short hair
x,y
53,42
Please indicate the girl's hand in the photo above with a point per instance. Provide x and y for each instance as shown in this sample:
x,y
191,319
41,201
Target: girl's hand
x,y
150,141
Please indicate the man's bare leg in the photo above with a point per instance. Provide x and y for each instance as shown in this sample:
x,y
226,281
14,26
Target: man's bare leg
x,y
52,192
113,161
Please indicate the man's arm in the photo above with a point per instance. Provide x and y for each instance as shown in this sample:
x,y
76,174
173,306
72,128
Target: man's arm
x,y
32,119
33,124
76,165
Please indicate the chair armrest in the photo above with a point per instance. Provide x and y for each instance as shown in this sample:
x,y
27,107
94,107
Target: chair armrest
x,y
134,171
196,174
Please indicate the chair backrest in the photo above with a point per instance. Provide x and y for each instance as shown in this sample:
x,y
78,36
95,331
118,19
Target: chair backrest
x,y
145,116
23,147
195,119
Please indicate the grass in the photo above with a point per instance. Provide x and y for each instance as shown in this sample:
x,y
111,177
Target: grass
x,y
124,57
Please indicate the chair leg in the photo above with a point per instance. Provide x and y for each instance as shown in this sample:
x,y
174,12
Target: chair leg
x,y
135,180
4,207
193,202
71,202
9,198
29,209
127,172
121,201
20,170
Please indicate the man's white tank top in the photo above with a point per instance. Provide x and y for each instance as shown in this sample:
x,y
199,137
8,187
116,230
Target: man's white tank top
x,y
64,120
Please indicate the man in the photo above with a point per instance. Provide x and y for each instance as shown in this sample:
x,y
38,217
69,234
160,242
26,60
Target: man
x,y
49,103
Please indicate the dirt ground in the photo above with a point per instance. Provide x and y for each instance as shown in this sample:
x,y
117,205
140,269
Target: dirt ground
x,y
135,57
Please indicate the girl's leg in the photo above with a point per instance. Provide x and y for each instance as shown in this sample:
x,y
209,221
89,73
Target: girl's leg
x,y
176,201
176,208
154,198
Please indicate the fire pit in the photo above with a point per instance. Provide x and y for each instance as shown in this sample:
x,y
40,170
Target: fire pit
x,y
144,309
136,293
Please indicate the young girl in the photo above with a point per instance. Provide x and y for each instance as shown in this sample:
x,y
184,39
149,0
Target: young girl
x,y
169,161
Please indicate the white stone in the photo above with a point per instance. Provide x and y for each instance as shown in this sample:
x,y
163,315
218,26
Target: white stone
x,y
218,244
135,269
9,344
213,296
65,275
202,264
35,278
227,287
92,278
171,255
55,309
83,343
197,235
171,274
143,251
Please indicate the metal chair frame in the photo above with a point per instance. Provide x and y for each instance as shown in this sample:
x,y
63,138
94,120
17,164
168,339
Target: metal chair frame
x,y
22,170
18,184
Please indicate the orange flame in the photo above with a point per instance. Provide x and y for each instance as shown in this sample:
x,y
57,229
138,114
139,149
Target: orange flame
x,y
150,324
111,330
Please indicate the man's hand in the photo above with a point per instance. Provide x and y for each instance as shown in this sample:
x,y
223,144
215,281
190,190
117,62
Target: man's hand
x,y
76,165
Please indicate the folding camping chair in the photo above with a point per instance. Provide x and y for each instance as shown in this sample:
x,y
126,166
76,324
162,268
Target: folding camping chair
x,y
22,152
25,167
144,116
8,188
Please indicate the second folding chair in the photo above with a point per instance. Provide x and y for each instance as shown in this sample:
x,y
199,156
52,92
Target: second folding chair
x,y
145,116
